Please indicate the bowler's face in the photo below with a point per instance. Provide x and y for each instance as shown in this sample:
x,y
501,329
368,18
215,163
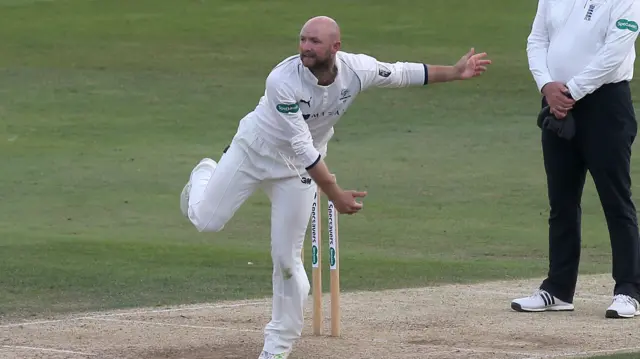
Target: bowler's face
x,y
315,48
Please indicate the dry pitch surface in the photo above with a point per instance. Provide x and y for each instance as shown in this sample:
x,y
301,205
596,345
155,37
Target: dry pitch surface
x,y
453,321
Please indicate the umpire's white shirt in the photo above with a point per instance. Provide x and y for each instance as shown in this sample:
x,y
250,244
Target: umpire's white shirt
x,y
296,115
583,43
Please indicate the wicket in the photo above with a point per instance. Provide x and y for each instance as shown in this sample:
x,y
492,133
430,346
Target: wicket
x,y
316,263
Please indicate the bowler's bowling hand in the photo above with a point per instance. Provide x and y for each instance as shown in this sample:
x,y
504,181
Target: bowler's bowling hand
x,y
346,202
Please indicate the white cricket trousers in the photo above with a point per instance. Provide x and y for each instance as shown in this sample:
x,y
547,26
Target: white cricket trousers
x,y
216,195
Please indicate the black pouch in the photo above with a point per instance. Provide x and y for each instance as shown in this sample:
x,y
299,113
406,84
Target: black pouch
x,y
564,128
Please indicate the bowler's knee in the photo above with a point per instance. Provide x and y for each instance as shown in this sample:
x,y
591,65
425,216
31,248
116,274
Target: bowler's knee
x,y
288,265
206,220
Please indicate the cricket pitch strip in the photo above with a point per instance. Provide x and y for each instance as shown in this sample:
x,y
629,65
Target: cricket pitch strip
x,y
451,321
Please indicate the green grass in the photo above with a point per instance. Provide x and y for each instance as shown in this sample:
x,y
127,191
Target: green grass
x,y
105,106
619,356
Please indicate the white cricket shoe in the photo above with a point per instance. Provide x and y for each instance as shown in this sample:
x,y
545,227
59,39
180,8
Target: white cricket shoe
x,y
267,355
540,301
623,306
184,196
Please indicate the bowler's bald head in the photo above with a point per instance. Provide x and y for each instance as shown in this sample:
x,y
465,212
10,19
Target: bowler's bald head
x,y
322,27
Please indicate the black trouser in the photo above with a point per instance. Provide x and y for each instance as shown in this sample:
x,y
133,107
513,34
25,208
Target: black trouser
x,y
605,130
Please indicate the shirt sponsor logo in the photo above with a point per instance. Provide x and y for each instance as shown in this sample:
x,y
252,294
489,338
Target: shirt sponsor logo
x,y
329,113
624,24
287,107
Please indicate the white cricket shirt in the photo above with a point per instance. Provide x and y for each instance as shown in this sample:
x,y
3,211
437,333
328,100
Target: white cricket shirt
x,y
296,115
583,43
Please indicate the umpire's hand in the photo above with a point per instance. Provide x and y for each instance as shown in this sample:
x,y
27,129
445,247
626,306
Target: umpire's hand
x,y
559,102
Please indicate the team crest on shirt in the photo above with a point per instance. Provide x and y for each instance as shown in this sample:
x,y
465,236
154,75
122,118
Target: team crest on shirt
x,y
590,10
344,95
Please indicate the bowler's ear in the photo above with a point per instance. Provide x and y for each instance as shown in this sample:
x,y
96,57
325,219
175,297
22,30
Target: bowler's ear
x,y
337,46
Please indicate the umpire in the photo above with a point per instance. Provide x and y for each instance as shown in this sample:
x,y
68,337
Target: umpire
x,y
581,56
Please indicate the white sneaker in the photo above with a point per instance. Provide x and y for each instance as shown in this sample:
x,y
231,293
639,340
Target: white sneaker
x,y
184,196
623,306
540,301
267,355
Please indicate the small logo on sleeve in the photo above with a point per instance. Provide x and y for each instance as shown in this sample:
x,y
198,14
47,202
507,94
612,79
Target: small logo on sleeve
x,y
287,107
624,24
383,71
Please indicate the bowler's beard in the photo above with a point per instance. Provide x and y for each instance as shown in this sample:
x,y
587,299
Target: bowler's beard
x,y
321,65
323,69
